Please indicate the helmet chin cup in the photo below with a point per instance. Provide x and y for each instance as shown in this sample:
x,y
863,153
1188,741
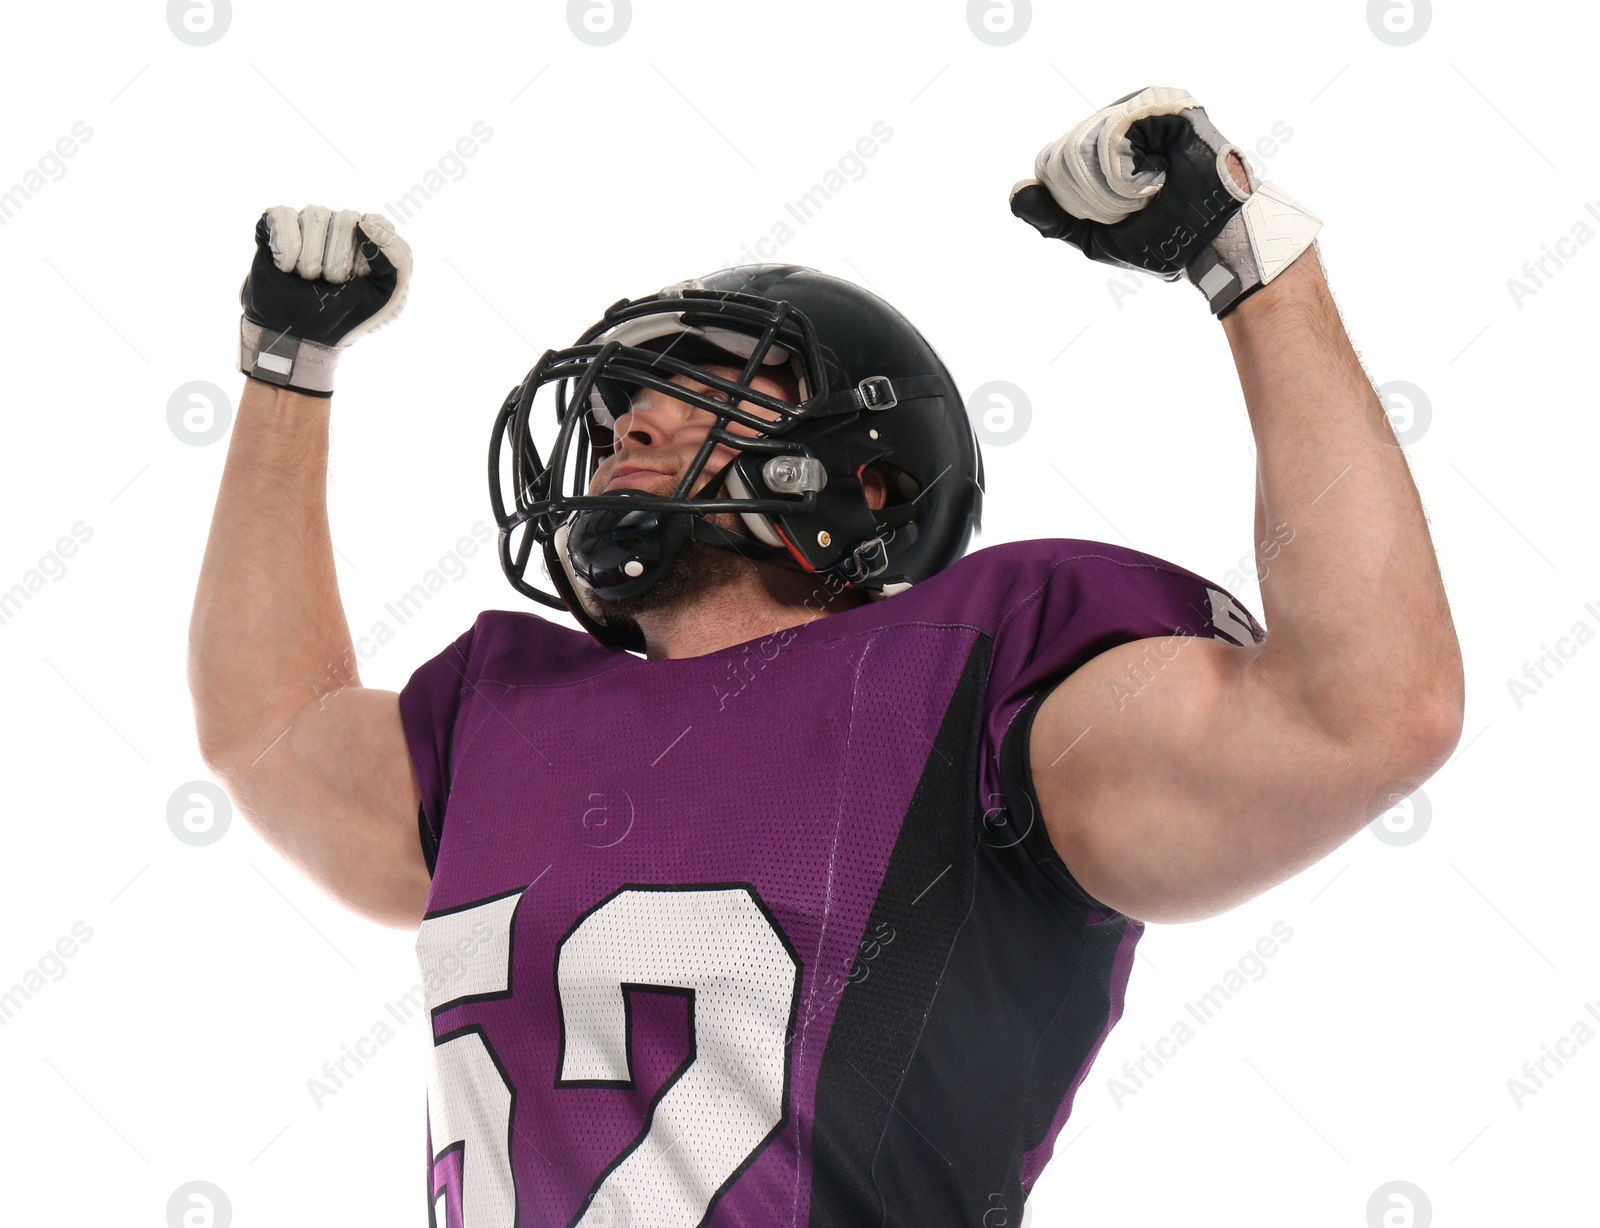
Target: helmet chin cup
x,y
621,553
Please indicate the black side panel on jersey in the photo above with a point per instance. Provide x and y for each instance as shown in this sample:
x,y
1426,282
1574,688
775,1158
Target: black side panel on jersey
x,y
1024,999
926,893
1086,1003
430,846
1079,1023
1023,995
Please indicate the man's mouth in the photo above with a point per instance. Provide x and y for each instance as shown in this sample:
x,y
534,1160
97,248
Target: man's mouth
x,y
633,476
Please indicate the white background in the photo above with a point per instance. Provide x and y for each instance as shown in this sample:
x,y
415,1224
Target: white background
x,y
178,1043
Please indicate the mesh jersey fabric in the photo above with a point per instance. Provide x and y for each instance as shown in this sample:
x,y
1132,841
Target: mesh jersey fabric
x,y
770,935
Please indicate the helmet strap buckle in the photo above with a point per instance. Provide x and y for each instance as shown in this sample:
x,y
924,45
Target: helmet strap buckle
x,y
864,562
876,392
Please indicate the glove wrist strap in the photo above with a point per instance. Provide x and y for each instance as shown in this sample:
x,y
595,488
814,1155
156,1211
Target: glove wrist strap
x,y
1268,234
277,358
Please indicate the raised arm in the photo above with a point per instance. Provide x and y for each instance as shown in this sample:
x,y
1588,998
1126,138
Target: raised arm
x,y
315,762
1239,766
1361,633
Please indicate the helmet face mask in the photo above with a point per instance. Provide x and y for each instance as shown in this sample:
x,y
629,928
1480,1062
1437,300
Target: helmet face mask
x,y
870,391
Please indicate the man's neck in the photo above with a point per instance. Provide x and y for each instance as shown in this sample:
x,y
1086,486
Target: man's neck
x,y
759,605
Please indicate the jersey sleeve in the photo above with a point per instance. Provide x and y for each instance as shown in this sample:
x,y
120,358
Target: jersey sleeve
x,y
429,705
1063,611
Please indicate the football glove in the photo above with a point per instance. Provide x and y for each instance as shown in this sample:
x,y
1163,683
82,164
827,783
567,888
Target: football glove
x,y
319,281
1144,184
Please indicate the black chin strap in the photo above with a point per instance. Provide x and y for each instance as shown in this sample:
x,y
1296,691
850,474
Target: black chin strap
x,y
702,530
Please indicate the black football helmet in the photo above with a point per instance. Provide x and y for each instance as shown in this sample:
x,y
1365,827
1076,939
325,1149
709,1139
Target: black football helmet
x,y
871,391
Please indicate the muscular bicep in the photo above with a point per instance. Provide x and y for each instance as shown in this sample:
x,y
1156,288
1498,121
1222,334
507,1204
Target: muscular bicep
x,y
1176,782
336,795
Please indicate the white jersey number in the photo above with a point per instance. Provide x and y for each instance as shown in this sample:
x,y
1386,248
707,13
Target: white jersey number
x,y
717,944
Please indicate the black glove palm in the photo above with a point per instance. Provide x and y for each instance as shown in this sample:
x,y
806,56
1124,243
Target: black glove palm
x,y
319,281
1174,226
317,309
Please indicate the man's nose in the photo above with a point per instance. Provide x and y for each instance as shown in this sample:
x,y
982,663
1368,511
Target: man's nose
x,y
651,420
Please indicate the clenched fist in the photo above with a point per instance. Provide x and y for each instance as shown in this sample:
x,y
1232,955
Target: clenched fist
x,y
319,281
1145,184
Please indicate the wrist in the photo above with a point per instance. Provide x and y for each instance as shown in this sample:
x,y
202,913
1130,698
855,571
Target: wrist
x,y
282,397
1263,239
1300,285
273,357
258,396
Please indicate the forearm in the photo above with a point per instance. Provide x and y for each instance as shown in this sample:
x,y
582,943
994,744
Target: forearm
x,y
1359,630
268,632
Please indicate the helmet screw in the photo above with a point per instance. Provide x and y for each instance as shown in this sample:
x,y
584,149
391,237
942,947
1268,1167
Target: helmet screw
x,y
824,538
633,567
872,434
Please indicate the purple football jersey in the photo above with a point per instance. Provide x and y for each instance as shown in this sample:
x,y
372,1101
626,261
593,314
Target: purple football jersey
x,y
772,935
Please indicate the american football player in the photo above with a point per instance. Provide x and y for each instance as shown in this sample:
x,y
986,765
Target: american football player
x,y
801,882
